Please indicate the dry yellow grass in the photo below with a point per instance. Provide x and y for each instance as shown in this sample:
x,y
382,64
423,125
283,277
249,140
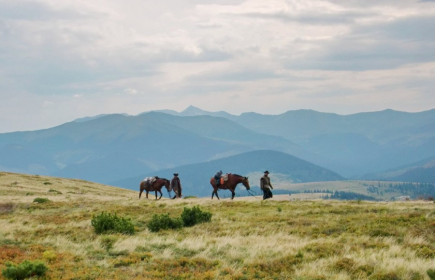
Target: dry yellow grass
x,y
283,238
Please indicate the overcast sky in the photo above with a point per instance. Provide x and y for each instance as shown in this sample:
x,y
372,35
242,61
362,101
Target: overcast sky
x,y
61,60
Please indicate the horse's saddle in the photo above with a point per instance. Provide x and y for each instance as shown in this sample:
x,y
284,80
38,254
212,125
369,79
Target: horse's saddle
x,y
150,180
224,178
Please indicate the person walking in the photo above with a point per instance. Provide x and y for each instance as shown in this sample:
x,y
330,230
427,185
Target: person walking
x,y
265,186
176,186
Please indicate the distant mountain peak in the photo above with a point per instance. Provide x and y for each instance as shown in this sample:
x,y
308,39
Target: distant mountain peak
x,y
193,111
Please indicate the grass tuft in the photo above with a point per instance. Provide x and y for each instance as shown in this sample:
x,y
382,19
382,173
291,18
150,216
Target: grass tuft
x,y
41,200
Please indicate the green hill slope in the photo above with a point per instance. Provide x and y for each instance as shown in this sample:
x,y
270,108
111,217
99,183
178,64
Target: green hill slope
x,y
245,239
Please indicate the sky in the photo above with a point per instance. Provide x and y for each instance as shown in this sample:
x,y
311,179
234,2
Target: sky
x,y
63,60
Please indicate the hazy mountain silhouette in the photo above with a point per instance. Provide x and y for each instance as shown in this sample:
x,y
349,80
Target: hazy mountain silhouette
x,y
422,171
352,144
107,148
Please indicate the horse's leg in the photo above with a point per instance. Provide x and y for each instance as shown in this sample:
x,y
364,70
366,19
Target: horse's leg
x,y
160,194
147,193
233,193
140,193
214,189
216,192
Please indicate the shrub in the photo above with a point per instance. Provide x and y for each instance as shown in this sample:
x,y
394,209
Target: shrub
x,y
24,270
193,216
41,200
431,274
163,221
108,223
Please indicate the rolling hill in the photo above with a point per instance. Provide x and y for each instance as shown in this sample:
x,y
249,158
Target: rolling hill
x,y
49,222
422,171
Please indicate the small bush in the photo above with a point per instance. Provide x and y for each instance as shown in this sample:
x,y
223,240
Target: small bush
x,y
41,200
163,221
431,274
108,223
24,270
193,216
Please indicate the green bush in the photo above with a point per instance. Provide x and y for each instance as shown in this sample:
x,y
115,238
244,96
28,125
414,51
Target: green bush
x,y
41,200
431,274
163,221
108,223
193,216
24,270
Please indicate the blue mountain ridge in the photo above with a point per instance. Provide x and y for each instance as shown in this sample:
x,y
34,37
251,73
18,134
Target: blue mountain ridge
x,y
109,148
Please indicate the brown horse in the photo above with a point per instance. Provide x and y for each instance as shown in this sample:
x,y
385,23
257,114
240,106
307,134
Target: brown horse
x,y
154,186
230,184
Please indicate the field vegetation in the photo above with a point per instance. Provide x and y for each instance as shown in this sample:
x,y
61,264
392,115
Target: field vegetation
x,y
246,238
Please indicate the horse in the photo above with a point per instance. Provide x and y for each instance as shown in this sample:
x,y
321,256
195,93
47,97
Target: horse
x,y
230,184
154,186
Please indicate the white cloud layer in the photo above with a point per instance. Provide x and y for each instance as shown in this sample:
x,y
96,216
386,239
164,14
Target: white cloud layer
x,y
61,60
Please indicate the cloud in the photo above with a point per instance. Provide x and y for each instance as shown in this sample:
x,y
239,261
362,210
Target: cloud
x,y
268,55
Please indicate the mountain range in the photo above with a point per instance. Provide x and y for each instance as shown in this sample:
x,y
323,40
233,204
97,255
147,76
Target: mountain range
x,y
115,148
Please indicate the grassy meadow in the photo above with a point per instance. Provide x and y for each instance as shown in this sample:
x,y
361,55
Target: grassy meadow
x,y
247,238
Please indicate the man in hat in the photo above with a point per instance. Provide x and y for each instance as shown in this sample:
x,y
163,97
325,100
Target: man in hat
x,y
266,185
176,186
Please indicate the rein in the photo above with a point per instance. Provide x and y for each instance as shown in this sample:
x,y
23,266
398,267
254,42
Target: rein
x,y
249,191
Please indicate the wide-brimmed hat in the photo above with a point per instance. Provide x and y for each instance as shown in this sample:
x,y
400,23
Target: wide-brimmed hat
x,y
266,172
175,174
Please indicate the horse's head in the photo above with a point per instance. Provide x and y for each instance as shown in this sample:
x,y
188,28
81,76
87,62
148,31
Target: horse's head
x,y
168,185
245,182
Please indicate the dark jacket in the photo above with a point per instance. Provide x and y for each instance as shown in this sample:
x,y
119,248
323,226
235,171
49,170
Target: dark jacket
x,y
265,182
176,185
